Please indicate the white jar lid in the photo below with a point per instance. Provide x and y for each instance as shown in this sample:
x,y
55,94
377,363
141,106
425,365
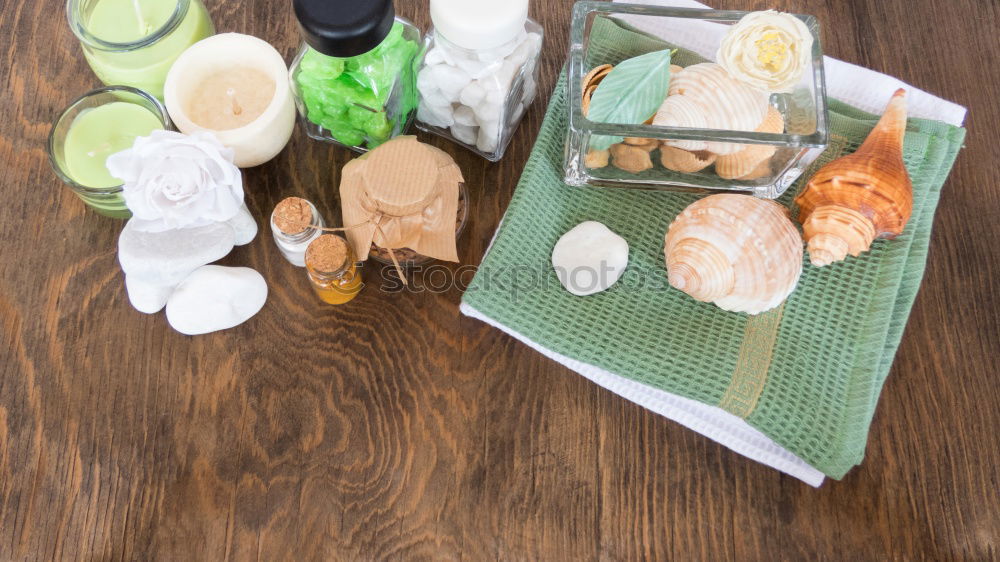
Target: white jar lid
x,y
479,24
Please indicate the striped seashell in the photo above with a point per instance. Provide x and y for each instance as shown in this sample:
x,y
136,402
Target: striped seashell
x,y
742,253
725,103
684,161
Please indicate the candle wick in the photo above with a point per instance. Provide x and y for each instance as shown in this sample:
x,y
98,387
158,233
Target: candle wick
x,y
237,110
143,26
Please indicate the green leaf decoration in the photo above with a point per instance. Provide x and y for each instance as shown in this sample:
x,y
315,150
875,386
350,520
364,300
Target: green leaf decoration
x,y
630,94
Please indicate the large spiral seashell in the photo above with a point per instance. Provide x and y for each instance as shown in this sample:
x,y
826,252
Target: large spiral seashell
x,y
722,101
742,253
862,196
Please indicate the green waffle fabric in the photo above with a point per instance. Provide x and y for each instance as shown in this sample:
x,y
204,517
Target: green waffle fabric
x,y
836,335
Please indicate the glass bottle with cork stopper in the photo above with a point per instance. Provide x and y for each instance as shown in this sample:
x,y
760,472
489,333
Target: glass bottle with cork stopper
x,y
295,223
480,72
332,269
354,78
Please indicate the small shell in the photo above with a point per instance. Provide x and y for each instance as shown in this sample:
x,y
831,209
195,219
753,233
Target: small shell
x,y
598,159
590,83
742,253
746,161
762,169
648,145
725,103
630,158
684,161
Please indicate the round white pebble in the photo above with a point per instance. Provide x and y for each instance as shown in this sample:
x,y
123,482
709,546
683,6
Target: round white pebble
x,y
216,298
590,258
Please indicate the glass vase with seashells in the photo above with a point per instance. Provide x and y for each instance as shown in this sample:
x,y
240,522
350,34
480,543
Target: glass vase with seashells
x,y
745,110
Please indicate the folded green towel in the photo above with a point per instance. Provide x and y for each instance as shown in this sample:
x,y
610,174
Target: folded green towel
x,y
806,375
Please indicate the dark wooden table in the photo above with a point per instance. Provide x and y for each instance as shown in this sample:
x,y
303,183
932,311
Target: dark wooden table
x,y
395,428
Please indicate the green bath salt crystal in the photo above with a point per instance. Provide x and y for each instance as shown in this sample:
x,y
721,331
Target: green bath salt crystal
x,y
365,100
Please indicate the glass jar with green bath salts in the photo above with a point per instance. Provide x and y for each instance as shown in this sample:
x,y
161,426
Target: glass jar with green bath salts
x,y
135,42
354,78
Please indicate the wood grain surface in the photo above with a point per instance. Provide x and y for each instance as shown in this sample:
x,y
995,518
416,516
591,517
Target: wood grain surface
x,y
395,428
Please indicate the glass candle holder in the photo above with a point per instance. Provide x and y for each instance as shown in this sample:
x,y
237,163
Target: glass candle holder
x,y
95,126
135,42
603,33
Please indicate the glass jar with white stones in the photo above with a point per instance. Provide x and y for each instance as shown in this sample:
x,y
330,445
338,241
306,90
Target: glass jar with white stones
x,y
480,72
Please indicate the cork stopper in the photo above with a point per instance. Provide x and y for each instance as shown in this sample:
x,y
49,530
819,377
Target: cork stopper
x,y
293,215
328,253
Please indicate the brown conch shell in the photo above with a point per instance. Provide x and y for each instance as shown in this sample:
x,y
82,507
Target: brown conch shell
x,y
742,253
684,161
743,163
862,196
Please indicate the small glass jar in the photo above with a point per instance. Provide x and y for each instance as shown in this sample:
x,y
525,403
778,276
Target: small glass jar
x,y
333,270
302,217
479,73
95,126
135,42
408,258
354,78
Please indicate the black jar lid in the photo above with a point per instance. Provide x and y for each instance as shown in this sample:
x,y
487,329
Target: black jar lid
x,y
344,28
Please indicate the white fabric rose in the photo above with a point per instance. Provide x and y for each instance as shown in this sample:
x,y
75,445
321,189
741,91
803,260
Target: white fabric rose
x,y
172,180
768,50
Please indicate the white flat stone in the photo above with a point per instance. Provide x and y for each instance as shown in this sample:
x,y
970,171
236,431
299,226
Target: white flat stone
x,y
167,258
244,226
590,258
147,297
216,298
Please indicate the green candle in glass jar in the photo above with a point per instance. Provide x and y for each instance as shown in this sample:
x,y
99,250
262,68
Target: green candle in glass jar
x,y
95,126
100,132
134,42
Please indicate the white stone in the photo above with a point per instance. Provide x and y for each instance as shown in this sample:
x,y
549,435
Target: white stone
x,y
435,116
590,258
486,142
464,134
244,226
147,297
465,116
216,298
167,258
472,94
490,129
450,80
425,83
438,55
487,111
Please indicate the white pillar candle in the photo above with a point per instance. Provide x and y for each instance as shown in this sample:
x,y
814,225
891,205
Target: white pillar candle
x,y
235,86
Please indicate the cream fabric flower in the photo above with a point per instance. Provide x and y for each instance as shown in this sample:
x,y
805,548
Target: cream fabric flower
x,y
769,50
172,180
